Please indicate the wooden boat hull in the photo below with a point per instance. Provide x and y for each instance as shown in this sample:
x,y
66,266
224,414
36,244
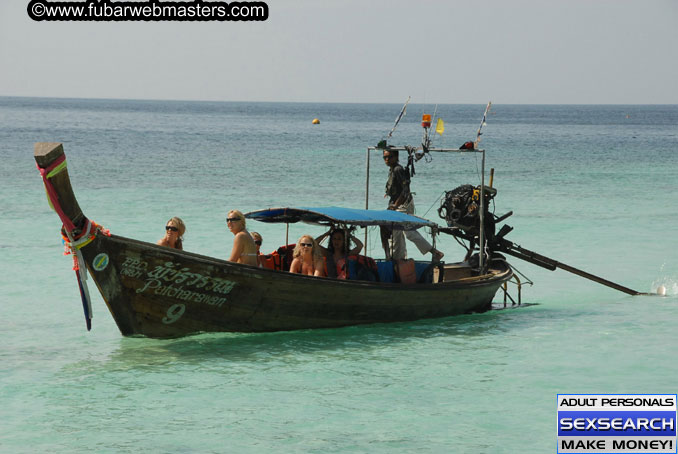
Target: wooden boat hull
x,y
160,292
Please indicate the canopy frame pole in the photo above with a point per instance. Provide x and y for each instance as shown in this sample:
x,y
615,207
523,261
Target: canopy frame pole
x,y
367,192
433,239
391,241
481,239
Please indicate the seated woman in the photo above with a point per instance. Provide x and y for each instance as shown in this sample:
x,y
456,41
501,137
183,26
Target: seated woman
x,y
336,251
307,258
174,234
244,250
256,236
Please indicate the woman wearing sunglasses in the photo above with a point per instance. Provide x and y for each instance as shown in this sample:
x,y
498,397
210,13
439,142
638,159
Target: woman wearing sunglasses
x,y
307,258
174,234
244,250
256,236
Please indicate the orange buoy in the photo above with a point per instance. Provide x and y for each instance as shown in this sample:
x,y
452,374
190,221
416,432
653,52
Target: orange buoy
x,y
316,121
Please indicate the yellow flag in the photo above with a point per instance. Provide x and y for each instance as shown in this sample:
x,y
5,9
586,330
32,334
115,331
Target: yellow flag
x,y
440,126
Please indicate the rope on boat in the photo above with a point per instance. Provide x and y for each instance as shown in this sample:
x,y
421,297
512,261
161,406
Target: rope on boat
x,y
436,201
52,170
527,279
72,245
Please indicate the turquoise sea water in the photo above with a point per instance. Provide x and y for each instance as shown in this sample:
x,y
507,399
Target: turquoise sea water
x,y
595,187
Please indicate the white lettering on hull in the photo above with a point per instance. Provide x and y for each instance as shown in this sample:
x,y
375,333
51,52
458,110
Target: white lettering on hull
x,y
179,283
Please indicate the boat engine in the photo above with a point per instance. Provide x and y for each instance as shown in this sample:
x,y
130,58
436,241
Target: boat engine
x,y
461,209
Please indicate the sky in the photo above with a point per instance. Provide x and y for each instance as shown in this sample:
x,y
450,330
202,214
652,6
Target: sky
x,y
371,51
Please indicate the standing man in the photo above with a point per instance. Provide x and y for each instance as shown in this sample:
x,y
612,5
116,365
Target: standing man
x,y
400,199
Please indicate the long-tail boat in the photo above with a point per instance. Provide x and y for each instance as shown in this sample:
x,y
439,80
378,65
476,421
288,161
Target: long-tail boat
x,y
161,292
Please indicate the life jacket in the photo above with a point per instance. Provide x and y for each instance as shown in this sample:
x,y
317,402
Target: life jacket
x,y
280,259
270,261
362,268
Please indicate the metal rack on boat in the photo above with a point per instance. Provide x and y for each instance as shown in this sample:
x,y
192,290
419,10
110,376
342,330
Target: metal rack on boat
x,y
481,239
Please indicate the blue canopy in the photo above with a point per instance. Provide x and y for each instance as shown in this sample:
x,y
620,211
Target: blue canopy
x,y
338,215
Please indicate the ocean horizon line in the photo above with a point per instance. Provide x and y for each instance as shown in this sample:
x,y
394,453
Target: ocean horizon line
x,y
67,98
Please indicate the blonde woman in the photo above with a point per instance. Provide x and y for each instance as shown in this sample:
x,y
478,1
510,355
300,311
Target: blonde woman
x,y
256,236
244,250
308,258
174,234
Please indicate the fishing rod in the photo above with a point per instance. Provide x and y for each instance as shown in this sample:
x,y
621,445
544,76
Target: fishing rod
x,y
426,123
398,118
426,140
482,123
